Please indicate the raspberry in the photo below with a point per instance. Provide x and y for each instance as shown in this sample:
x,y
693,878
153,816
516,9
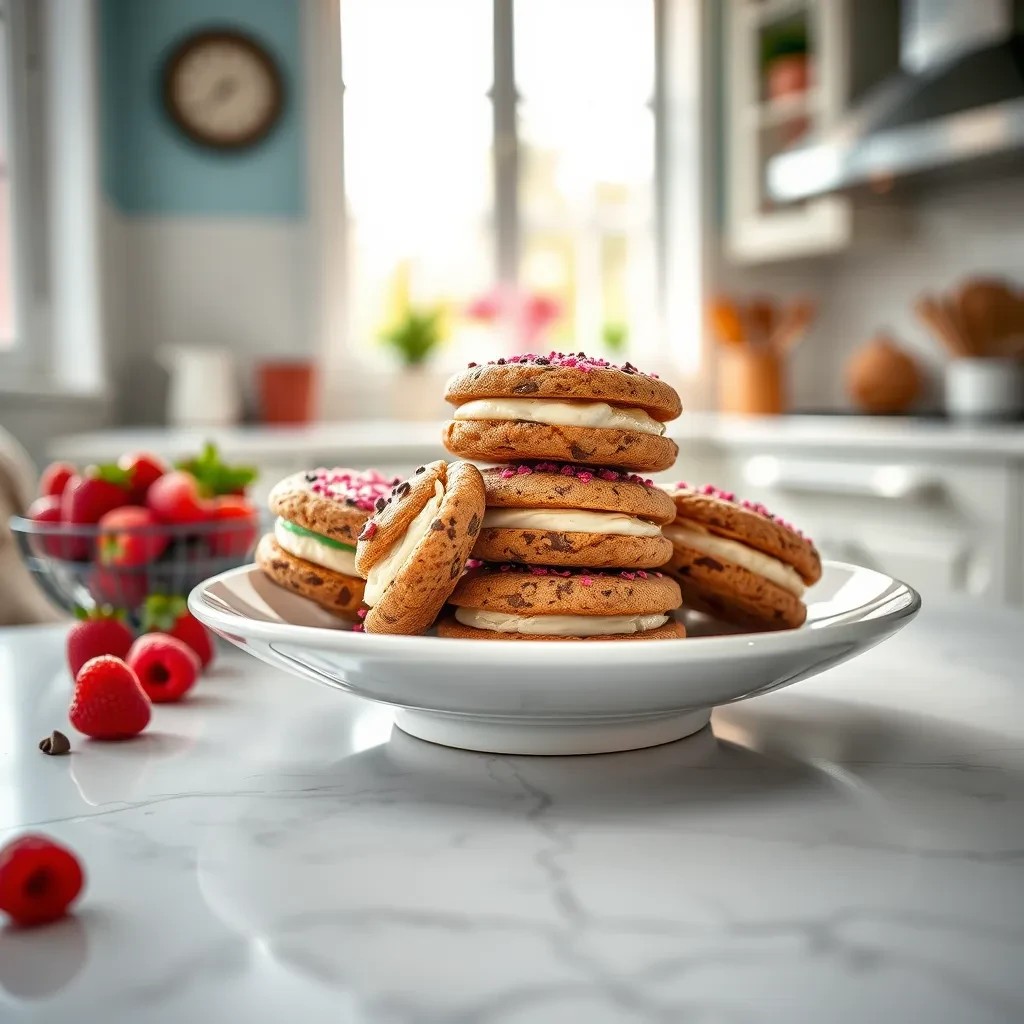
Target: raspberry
x,y
39,880
170,615
108,703
167,667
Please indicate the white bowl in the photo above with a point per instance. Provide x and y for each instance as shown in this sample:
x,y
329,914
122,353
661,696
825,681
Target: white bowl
x,y
551,698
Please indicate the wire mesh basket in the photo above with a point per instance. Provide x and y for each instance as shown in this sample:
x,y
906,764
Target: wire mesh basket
x,y
65,559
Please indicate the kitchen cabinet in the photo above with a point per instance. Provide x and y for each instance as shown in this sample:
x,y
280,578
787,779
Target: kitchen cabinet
x,y
762,120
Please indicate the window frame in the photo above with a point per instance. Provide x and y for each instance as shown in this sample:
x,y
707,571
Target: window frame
x,y
681,237
27,359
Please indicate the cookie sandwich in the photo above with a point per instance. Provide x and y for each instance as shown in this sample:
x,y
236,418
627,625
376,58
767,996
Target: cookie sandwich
x,y
517,602
736,561
560,514
566,408
414,548
312,549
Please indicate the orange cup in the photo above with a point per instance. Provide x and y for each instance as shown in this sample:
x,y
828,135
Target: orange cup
x,y
750,382
287,391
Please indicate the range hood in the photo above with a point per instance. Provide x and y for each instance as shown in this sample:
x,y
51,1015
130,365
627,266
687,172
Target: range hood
x,y
959,96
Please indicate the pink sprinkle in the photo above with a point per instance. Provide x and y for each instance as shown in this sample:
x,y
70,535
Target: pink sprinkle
x,y
641,574
358,628
524,471
473,563
586,581
569,360
362,613
585,477
357,488
567,471
368,531
628,575
751,506
507,473
538,571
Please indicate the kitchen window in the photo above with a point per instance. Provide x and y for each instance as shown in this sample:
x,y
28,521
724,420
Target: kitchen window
x,y
525,206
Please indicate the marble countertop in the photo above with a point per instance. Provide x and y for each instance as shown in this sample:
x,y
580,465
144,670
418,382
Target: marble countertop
x,y
850,849
376,441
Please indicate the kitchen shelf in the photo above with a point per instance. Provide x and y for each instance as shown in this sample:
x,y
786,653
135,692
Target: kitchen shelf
x,y
765,12
773,113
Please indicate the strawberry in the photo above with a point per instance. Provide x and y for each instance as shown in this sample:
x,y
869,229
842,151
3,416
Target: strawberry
x,y
143,469
46,510
39,880
55,478
88,497
131,535
101,631
175,498
108,703
167,668
170,615
123,587
235,525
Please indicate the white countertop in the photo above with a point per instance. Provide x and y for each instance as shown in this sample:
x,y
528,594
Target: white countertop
x,y
374,441
850,849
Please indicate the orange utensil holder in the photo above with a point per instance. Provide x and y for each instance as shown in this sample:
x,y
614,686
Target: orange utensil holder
x,y
750,382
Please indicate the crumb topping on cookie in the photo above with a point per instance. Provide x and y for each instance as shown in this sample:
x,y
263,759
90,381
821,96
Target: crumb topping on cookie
x,y
355,488
582,473
567,360
751,506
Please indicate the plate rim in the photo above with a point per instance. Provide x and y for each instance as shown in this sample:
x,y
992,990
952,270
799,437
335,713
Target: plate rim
x,y
348,642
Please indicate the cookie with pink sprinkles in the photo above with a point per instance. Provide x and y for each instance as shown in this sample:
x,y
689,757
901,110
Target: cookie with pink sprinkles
x,y
561,514
312,549
517,602
737,561
562,407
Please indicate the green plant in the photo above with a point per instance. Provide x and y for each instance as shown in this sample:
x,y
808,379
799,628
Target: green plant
x,y
615,335
784,40
415,336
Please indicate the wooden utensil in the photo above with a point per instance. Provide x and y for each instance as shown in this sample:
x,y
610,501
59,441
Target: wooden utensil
x,y
761,315
792,326
727,322
938,317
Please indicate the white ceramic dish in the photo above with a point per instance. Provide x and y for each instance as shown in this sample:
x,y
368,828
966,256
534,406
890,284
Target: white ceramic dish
x,y
549,698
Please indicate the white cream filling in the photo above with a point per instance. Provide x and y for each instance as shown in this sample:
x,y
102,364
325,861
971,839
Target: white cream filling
x,y
706,543
388,567
559,625
560,414
312,550
570,521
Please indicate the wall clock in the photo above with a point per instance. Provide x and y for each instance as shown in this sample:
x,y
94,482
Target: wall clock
x,y
223,89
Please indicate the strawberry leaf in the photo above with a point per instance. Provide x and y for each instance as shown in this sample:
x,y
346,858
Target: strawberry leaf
x,y
215,476
111,473
160,613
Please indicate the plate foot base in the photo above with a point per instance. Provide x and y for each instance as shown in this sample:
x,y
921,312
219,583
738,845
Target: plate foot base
x,y
503,736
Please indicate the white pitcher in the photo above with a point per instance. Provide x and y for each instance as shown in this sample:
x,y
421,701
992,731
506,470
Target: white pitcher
x,y
203,389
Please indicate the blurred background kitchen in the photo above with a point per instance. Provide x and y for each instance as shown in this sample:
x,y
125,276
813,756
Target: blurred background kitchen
x,y
281,223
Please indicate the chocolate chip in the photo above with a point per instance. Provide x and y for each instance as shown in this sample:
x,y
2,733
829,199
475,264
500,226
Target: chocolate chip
x,y
451,533
528,387
420,469
516,601
558,541
312,579
455,569
344,596
606,593
501,362
403,489
55,744
706,562
474,525
542,361
380,504
578,453
310,478
437,525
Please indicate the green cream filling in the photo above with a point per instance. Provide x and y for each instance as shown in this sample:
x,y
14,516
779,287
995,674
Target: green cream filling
x,y
328,542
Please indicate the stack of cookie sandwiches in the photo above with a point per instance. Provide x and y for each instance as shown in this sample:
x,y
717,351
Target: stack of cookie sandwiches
x,y
312,550
737,562
571,536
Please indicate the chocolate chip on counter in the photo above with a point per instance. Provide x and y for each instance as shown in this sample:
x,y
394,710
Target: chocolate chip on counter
x,y
55,744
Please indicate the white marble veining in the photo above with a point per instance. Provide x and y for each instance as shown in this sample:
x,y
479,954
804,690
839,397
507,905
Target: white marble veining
x,y
850,849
